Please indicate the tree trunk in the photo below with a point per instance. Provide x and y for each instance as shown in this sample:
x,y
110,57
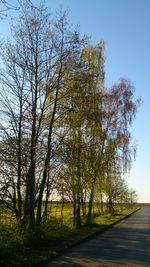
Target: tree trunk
x,y
26,205
90,206
32,161
31,199
19,162
48,156
46,200
101,203
110,205
83,203
74,213
78,211
62,209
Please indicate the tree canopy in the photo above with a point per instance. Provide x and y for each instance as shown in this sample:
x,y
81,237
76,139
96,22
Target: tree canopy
x,y
61,129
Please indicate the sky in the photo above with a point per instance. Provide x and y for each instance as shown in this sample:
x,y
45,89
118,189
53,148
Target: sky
x,y
124,25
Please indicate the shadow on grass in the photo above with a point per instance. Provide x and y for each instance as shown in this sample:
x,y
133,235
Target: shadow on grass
x,y
21,248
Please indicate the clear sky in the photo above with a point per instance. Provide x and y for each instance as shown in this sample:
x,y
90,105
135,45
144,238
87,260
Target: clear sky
x,y
124,25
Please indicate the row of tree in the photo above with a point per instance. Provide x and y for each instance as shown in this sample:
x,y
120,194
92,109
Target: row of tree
x,y
61,130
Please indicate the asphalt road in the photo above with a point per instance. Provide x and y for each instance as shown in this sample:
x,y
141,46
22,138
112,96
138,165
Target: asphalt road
x,y
125,244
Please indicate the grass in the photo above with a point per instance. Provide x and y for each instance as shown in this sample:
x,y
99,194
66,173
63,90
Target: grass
x,y
19,248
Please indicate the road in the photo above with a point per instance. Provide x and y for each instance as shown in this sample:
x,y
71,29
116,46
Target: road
x,y
125,244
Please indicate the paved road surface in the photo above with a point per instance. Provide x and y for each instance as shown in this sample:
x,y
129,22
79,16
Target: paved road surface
x,y
125,244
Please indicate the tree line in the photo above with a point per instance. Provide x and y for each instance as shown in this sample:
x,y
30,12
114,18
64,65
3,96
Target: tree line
x,y
62,131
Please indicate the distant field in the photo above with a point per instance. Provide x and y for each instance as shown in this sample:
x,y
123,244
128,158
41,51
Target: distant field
x,y
144,205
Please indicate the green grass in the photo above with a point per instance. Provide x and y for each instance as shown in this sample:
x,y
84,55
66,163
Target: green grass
x,y
21,248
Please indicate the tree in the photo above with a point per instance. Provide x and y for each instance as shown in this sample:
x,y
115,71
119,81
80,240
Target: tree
x,y
132,197
34,70
83,99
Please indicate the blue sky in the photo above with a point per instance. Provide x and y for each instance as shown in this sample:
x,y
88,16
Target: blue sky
x,y
124,25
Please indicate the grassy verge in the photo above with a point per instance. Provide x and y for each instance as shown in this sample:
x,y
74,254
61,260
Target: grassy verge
x,y
19,248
